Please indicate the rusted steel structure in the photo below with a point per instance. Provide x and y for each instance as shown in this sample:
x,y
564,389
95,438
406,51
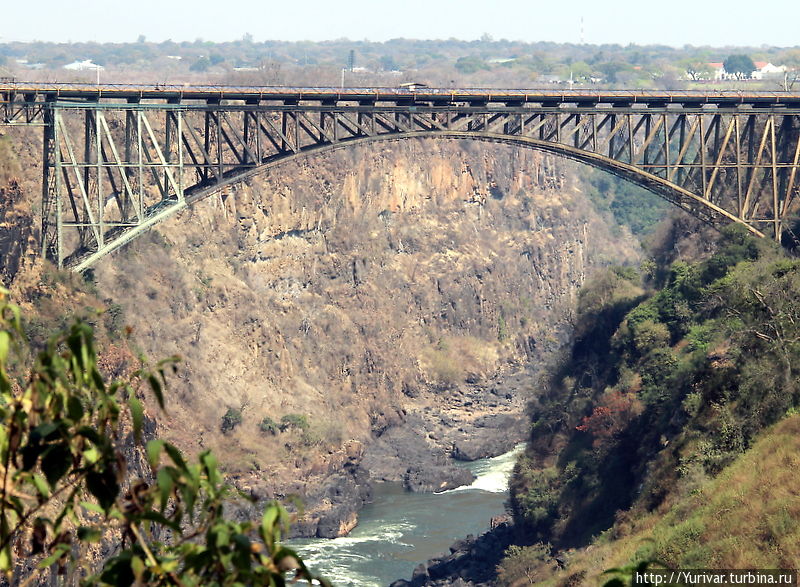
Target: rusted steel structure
x,y
120,158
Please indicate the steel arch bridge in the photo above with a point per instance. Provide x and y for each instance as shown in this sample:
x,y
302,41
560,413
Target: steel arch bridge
x,y
118,159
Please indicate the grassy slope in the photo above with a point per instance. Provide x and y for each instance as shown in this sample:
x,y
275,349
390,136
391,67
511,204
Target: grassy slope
x,y
663,436
744,518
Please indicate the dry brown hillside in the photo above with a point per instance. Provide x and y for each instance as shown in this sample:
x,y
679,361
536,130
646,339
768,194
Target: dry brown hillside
x,y
364,295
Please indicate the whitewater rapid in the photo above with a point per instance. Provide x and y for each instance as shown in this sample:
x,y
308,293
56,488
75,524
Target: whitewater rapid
x,y
399,530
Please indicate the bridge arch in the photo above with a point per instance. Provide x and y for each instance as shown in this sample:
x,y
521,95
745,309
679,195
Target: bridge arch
x,y
673,193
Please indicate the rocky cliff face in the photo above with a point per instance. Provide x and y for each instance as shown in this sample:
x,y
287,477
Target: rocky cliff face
x,y
356,314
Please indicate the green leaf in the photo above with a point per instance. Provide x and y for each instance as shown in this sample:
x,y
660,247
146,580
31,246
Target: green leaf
x,y
56,462
165,485
91,456
60,552
138,568
5,559
268,523
103,486
42,431
87,534
176,457
117,570
222,535
137,415
160,519
5,343
90,434
291,557
92,507
154,452
31,453
41,485
98,380
210,463
156,385
74,408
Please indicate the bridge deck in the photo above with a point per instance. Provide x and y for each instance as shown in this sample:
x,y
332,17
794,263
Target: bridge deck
x,y
30,91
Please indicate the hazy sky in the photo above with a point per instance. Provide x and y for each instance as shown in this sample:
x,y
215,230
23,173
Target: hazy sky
x,y
696,22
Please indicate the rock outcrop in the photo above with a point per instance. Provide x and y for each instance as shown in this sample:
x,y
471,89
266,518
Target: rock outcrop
x,y
380,296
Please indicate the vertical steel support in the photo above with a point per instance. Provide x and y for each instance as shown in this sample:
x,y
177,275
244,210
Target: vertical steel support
x,y
140,161
776,214
130,123
630,138
179,146
703,175
739,200
679,168
249,137
169,137
218,142
207,144
667,138
98,157
52,222
88,163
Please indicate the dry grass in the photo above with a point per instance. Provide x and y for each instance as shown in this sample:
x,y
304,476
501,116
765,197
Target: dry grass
x,y
747,517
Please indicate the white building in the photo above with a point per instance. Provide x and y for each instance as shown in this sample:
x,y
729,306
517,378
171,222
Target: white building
x,y
84,66
764,69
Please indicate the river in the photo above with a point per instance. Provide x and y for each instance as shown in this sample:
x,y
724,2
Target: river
x,y
399,530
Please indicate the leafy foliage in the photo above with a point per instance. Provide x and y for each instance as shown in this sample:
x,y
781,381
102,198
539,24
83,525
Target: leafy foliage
x,y
630,205
661,386
68,442
739,65
268,425
230,420
298,421
529,562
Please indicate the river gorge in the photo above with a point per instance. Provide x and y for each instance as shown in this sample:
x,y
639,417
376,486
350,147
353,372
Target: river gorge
x,y
399,529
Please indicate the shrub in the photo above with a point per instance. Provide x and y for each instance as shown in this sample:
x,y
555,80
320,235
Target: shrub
x,y
525,565
298,421
64,431
268,426
231,419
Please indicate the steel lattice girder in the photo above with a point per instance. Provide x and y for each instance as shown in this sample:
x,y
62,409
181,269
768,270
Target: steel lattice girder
x,y
114,170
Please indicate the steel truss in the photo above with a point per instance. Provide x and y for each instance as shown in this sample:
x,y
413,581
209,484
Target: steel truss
x,y
113,170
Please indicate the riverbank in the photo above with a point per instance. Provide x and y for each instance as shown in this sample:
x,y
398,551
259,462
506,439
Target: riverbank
x,y
418,448
401,529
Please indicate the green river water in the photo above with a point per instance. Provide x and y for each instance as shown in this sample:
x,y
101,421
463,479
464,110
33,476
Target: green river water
x,y
399,530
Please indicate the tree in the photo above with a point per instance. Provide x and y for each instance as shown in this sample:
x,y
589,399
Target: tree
x,y
67,439
697,69
201,65
739,65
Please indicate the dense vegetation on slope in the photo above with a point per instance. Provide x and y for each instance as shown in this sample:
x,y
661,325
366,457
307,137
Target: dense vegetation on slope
x,y
671,378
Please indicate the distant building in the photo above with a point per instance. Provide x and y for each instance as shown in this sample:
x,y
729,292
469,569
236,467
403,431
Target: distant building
x,y
27,65
763,70
84,66
766,70
413,86
719,71
548,78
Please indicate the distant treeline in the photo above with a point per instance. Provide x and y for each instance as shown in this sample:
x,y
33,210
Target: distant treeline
x,y
484,62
